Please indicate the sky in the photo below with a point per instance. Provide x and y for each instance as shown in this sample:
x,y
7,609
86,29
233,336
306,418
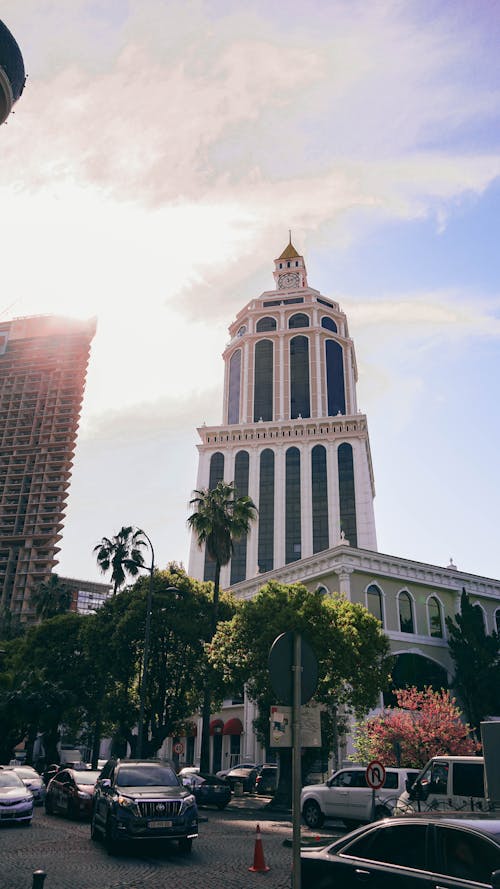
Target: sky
x,y
149,176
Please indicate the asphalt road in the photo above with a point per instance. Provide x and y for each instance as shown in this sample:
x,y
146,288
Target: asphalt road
x,y
220,858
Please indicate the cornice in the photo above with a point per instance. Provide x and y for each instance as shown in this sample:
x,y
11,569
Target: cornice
x,y
353,426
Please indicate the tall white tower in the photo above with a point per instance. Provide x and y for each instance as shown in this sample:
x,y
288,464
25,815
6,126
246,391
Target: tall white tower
x,y
292,437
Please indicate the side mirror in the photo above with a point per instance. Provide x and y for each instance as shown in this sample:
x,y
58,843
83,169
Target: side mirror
x,y
105,783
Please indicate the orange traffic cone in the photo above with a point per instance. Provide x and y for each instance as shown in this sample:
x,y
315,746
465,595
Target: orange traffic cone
x,y
259,865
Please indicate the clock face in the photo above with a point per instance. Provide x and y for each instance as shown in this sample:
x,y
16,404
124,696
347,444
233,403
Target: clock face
x,y
289,280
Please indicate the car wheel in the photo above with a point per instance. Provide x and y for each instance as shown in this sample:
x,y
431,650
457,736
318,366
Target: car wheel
x,y
48,806
94,833
312,814
221,806
185,845
112,840
26,823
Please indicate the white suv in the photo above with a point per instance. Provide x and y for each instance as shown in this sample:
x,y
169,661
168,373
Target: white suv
x,y
347,796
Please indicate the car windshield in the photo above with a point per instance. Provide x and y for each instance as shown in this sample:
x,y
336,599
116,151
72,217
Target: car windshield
x,y
146,776
10,779
86,777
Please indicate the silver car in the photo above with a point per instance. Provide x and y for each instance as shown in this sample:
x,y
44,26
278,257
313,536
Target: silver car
x,y
33,781
16,801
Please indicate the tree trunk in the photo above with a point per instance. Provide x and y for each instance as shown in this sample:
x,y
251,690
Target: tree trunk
x,y
205,731
96,742
283,797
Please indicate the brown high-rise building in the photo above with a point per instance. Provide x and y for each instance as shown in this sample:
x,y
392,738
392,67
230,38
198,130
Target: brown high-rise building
x,y
43,364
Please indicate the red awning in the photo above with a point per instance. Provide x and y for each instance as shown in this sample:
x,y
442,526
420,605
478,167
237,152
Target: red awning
x,y
216,727
233,727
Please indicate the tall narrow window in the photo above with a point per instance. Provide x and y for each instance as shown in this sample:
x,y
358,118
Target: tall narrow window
x,y
300,404
319,499
216,475
328,323
239,556
293,549
435,618
335,378
406,623
374,602
497,620
347,495
263,383
266,511
233,410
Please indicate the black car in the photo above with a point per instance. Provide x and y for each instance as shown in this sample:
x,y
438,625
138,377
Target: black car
x,y
409,853
267,779
143,799
209,790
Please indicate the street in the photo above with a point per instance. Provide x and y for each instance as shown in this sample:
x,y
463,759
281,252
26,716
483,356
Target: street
x,y
220,858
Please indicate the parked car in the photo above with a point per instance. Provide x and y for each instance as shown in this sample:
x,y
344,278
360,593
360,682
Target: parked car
x,y
209,790
143,799
244,775
267,779
188,770
347,796
31,779
239,765
70,793
400,853
16,800
446,783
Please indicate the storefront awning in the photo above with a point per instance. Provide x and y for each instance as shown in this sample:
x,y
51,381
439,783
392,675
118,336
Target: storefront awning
x,y
216,727
233,727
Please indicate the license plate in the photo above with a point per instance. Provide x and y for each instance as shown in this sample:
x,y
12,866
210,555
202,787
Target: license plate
x,y
153,824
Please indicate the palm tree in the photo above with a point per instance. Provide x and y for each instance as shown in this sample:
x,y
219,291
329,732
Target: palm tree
x,y
51,597
122,554
220,518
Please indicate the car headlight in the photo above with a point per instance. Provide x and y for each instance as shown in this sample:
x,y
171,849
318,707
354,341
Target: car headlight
x,y
187,802
127,803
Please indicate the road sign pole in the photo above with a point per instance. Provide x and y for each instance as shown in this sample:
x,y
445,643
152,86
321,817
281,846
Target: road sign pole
x,y
296,772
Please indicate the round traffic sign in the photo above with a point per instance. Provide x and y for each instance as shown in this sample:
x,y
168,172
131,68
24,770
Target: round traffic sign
x,y
375,774
179,747
281,662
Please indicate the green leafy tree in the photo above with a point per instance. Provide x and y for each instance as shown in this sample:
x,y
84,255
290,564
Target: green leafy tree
x,y
52,597
122,554
220,518
352,651
476,658
424,724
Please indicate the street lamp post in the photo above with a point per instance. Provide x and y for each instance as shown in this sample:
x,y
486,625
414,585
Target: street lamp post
x,y
145,656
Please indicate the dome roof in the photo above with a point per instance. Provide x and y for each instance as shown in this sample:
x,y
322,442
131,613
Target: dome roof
x,y
12,74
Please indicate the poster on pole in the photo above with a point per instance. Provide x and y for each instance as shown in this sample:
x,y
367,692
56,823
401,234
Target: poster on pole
x,y
281,726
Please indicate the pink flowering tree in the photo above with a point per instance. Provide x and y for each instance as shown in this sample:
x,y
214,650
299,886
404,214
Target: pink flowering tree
x,y
424,724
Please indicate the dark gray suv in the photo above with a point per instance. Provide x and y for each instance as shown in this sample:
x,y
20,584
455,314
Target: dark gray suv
x,y
143,799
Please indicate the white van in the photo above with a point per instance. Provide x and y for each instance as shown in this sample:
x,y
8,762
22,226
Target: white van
x,y
446,784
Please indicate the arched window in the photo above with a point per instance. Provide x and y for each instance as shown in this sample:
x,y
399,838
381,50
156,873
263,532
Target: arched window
x,y
374,602
266,511
335,378
293,548
497,620
298,320
319,499
263,382
264,324
435,617
322,591
328,323
233,408
347,494
405,603
239,556
300,404
216,475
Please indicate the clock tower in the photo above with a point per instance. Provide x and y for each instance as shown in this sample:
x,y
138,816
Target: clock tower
x,y
292,437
